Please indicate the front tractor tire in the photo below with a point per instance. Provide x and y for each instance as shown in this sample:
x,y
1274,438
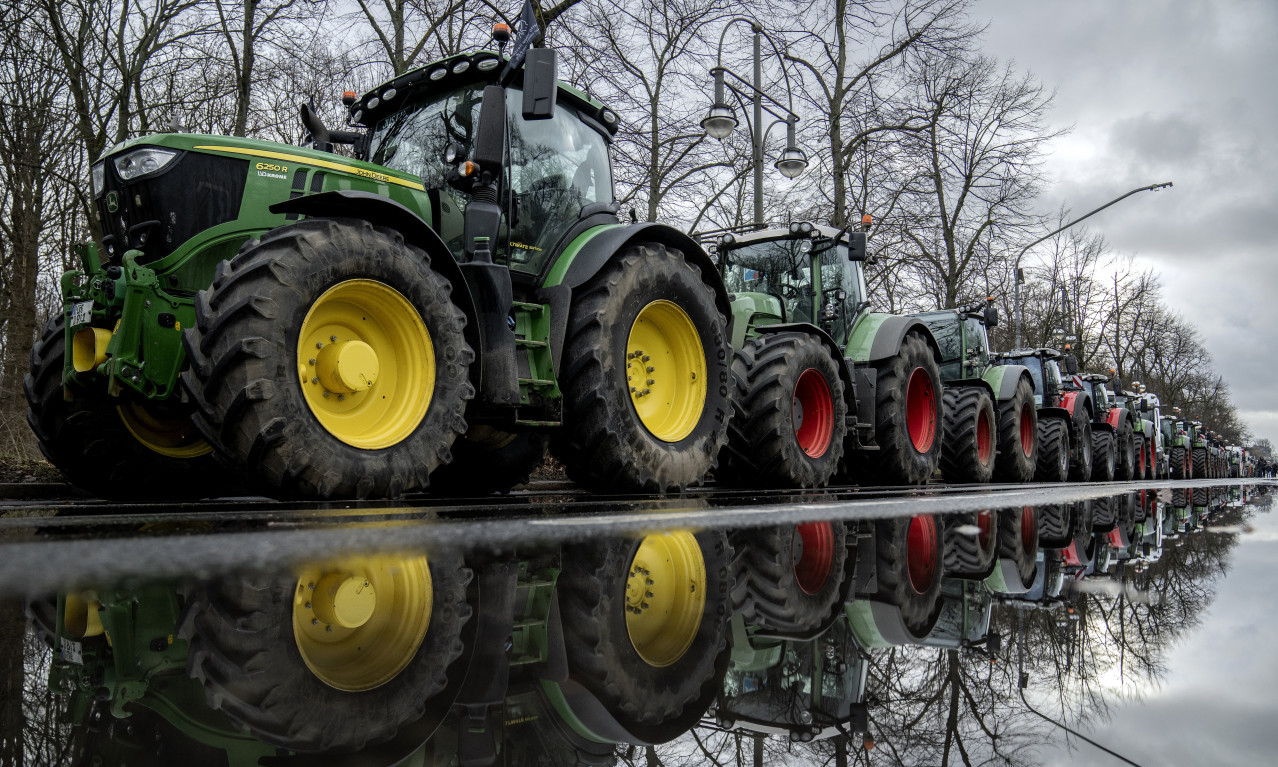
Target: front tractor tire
x,y
1017,436
1126,465
907,418
968,445
328,361
1103,458
1080,444
646,377
789,415
909,566
333,657
114,447
1180,463
1053,450
646,625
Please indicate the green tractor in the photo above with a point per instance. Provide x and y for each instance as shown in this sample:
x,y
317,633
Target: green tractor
x,y
460,290
1176,437
824,388
991,422
1064,417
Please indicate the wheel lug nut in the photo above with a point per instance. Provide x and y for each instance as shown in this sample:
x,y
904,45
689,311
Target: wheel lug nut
x,y
646,359
651,382
333,339
327,393
314,380
311,361
314,621
651,369
319,344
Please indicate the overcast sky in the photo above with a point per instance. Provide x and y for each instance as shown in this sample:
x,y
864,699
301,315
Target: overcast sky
x,y
1182,91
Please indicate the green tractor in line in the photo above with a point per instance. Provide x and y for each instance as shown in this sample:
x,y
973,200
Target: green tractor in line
x,y
991,422
824,388
1064,420
1151,451
460,291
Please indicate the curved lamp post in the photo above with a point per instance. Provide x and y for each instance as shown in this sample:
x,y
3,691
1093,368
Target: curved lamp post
x,y
722,119
1016,269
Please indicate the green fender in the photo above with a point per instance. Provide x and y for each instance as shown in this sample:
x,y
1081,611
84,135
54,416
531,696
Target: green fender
x,y
1003,380
752,311
876,336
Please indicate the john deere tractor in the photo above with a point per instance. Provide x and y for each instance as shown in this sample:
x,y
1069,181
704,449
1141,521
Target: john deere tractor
x,y
991,423
824,387
332,326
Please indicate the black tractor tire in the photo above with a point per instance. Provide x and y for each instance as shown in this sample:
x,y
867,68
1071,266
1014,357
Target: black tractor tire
x,y
970,437
639,688
1053,451
1055,525
96,441
789,414
1017,436
244,649
971,554
909,434
488,460
604,443
1102,456
1179,462
1200,462
792,581
1104,514
1125,463
1084,518
1018,541
248,360
909,572
1080,446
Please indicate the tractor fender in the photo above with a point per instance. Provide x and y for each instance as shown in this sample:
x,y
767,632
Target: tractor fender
x,y
845,370
1073,399
980,383
1103,426
594,248
1005,378
383,211
1054,412
1116,417
876,337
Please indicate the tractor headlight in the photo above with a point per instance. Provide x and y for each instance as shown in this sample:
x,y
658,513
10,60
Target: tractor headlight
x,y
97,175
143,161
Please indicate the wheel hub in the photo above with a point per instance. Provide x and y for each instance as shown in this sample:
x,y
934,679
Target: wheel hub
x,y
1027,432
812,413
665,597
812,549
920,410
921,553
347,367
341,599
666,371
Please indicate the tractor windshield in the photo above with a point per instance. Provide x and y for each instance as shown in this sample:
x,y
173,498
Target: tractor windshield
x,y
556,167
783,268
1035,367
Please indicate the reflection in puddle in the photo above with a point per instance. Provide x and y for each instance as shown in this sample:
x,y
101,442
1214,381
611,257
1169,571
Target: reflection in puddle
x,y
923,639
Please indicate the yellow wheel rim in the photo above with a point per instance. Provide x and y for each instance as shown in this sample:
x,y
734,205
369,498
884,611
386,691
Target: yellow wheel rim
x,y
359,623
366,364
665,597
666,371
172,437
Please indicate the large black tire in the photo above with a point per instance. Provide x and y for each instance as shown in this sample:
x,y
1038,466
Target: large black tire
x,y
1080,445
1055,525
109,446
789,415
907,418
791,581
1017,436
968,446
605,443
1104,514
909,563
1102,456
971,554
488,460
1200,460
602,584
249,361
1018,541
244,649
1053,451
1125,458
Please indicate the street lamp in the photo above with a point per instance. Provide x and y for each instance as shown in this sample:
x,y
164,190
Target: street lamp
x,y
722,119
1018,277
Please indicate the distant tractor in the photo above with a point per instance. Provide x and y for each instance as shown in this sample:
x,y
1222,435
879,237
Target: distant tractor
x,y
991,421
824,387
1122,423
1064,416
462,290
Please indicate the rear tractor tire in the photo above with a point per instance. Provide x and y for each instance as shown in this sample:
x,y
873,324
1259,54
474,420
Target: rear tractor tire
x,y
332,658
1200,462
792,581
647,376
971,544
1080,458
909,565
646,624
1102,456
969,445
790,417
1125,465
328,361
907,418
1018,542
1053,451
115,447
1017,436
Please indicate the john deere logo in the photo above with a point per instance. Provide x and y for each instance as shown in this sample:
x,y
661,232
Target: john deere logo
x,y
113,201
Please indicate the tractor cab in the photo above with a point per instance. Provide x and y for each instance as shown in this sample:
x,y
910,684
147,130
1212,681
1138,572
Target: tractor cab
x,y
1043,367
806,273
963,337
1096,385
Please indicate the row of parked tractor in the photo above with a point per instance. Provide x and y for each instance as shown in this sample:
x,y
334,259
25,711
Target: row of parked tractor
x,y
461,296
771,638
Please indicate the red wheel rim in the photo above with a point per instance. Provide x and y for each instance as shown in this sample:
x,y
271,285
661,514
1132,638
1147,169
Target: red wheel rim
x,y
1027,433
920,410
921,553
812,413
1029,529
984,438
813,550
985,521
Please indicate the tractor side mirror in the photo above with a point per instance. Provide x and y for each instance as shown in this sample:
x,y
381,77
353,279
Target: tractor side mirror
x,y
991,316
857,246
540,85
